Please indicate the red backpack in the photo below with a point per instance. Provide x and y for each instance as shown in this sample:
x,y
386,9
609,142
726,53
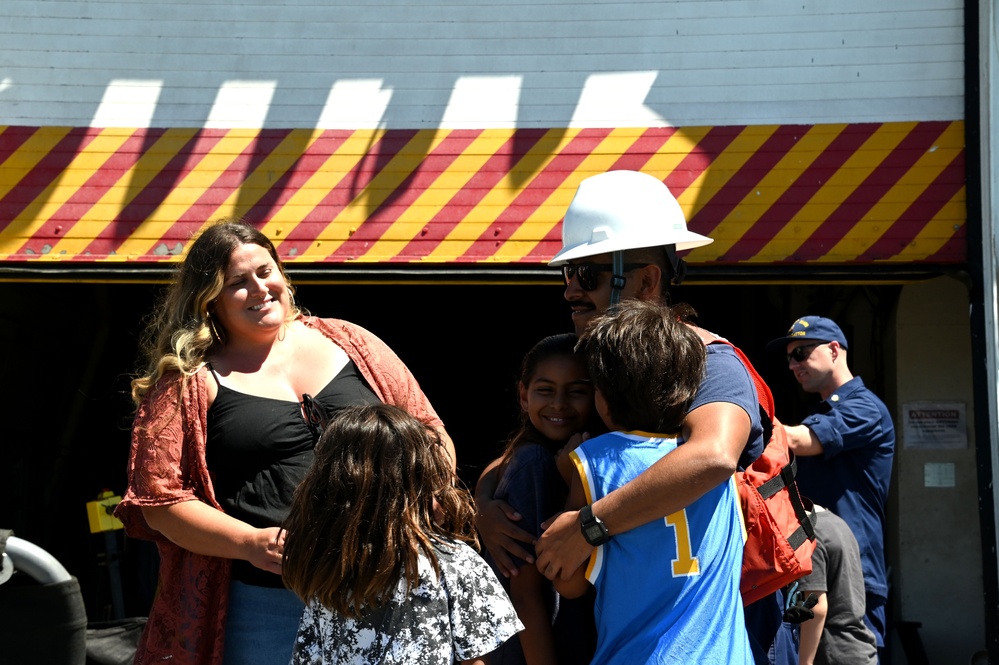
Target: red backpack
x,y
780,530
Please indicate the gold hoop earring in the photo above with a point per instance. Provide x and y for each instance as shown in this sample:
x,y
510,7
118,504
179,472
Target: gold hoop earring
x,y
214,330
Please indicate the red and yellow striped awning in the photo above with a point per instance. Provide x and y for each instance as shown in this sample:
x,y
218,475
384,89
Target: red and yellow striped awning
x,y
843,194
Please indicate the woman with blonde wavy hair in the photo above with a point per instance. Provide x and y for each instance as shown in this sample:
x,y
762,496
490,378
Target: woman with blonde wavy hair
x,y
237,386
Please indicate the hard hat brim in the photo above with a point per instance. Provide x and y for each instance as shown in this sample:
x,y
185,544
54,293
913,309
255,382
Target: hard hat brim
x,y
684,240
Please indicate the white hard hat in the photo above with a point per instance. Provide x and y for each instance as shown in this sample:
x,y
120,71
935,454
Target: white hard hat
x,y
620,210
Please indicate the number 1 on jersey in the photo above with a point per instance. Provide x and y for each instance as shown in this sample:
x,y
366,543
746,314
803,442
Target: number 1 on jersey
x,y
685,562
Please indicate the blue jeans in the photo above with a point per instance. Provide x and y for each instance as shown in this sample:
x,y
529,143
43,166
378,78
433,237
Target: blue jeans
x,y
875,617
261,625
772,640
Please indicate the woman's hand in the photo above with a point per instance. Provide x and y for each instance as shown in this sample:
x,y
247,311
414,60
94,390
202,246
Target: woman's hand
x,y
495,520
266,549
202,529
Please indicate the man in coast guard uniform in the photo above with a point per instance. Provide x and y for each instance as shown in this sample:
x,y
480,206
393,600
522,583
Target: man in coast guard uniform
x,y
844,448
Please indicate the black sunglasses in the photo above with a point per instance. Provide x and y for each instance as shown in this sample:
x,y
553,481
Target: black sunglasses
x,y
587,272
315,416
801,353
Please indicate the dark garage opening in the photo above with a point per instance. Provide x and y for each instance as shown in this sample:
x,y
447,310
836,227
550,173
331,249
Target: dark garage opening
x,y
68,349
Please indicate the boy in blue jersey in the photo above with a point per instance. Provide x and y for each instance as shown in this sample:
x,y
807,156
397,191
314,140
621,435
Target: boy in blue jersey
x,y
667,591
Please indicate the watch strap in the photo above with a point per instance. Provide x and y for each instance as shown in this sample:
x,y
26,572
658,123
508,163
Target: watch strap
x,y
594,531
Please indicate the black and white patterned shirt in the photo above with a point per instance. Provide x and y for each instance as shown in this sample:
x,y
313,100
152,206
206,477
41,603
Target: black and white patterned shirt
x,y
463,615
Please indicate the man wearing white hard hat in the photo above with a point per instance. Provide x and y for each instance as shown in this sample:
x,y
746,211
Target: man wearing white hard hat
x,y
620,238
615,215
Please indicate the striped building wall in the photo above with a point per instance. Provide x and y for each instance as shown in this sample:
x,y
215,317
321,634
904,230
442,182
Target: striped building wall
x,y
840,194
399,131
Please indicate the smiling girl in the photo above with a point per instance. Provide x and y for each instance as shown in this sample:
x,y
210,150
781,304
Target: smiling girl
x,y
556,401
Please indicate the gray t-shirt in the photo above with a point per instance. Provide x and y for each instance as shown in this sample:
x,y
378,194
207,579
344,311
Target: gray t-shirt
x,y
836,570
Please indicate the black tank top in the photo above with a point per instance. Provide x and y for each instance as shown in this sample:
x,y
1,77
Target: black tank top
x,y
259,449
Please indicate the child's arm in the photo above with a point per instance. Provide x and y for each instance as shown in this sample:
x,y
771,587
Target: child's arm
x,y
576,585
811,630
528,592
718,434
563,462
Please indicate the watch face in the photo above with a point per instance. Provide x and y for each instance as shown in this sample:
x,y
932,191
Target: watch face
x,y
593,529
595,533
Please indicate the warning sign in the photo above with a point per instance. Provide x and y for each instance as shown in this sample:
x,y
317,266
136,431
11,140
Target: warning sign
x,y
935,425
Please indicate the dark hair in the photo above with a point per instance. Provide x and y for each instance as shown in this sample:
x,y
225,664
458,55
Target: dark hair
x,y
365,511
647,364
553,346
180,335
659,256
651,256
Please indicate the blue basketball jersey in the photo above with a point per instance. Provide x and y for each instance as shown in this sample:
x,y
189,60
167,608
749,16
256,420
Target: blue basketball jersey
x,y
667,591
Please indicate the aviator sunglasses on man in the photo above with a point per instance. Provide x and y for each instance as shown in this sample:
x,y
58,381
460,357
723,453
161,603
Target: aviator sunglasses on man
x,y
587,272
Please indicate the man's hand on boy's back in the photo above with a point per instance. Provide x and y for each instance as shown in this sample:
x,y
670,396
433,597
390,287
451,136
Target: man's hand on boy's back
x,y
562,548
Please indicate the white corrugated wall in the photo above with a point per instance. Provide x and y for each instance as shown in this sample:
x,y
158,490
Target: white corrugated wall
x,y
412,64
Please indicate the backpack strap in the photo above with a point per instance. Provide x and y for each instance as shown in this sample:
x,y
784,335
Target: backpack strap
x,y
763,393
786,476
786,479
804,532
780,481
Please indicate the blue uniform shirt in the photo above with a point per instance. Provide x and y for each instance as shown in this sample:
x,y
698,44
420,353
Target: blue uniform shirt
x,y
852,475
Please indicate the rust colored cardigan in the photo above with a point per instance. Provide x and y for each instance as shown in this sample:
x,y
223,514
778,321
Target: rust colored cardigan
x,y
167,466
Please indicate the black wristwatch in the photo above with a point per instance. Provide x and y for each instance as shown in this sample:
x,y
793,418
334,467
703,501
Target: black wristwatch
x,y
593,529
